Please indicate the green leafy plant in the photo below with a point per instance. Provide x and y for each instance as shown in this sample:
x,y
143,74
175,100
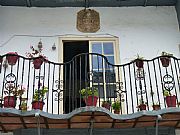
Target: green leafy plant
x,y
23,106
166,54
39,94
139,57
106,102
116,105
166,93
16,91
89,91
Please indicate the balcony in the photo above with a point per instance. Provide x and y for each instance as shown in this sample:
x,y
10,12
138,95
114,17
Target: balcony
x,y
136,87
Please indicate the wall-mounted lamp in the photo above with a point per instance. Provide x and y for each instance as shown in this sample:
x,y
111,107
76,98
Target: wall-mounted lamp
x,y
40,44
54,47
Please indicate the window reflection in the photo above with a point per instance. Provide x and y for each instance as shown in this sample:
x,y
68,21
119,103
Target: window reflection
x,y
97,48
110,76
110,59
111,91
97,62
97,76
108,48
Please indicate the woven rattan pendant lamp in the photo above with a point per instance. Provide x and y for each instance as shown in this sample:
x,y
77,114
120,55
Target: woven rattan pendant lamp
x,y
88,20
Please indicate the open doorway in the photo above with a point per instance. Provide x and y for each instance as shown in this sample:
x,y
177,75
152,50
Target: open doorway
x,y
74,76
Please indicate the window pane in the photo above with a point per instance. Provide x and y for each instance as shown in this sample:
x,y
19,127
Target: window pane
x,y
98,76
110,76
110,59
108,48
111,91
97,62
97,48
100,90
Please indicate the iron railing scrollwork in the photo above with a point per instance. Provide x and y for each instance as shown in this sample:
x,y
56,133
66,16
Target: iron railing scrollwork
x,y
127,82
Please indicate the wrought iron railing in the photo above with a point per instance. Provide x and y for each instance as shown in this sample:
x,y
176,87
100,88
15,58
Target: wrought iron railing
x,y
147,82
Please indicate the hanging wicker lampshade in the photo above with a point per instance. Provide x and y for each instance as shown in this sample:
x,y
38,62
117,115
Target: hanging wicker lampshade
x,y
88,20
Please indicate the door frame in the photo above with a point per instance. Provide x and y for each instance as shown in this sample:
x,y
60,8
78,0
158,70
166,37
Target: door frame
x,y
88,38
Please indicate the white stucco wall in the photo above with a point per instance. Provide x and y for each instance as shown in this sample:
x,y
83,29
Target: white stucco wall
x,y
143,30
178,132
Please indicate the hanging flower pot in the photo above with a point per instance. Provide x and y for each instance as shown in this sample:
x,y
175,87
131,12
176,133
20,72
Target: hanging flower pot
x,y
10,101
37,105
91,100
165,61
139,63
12,59
171,101
37,63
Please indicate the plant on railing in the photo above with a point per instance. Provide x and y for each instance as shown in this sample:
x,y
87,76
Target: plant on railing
x,y
106,104
12,58
139,61
116,106
165,59
13,93
142,105
23,105
38,57
90,95
170,99
39,97
155,106
178,104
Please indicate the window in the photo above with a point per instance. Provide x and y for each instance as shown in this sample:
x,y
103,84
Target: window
x,y
103,73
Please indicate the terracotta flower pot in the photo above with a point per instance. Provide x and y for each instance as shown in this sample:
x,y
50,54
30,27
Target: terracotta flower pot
x,y
12,59
90,101
37,105
106,105
10,101
165,61
171,101
37,63
139,63
142,107
156,107
116,111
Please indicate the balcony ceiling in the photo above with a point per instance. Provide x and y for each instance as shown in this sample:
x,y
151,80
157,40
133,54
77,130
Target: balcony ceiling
x,y
88,3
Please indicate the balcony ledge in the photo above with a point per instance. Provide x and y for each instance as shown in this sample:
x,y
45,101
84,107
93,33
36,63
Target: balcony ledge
x,y
12,119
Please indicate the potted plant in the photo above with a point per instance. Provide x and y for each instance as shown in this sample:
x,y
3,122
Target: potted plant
x,y
12,58
142,105
139,61
116,106
106,104
156,106
13,92
165,59
178,104
170,99
38,57
39,97
23,106
90,95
